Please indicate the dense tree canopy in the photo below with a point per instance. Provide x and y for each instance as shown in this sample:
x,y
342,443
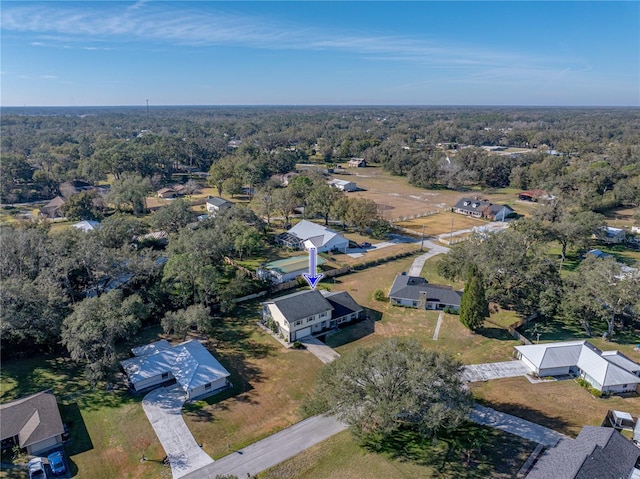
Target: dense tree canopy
x,y
397,384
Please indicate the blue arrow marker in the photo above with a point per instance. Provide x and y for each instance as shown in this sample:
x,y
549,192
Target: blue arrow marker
x,y
312,278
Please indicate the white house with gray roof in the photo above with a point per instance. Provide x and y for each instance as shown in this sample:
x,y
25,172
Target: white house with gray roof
x,y
308,234
607,371
302,314
215,205
417,292
189,363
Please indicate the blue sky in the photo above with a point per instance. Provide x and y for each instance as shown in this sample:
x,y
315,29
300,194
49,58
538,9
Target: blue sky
x,y
320,53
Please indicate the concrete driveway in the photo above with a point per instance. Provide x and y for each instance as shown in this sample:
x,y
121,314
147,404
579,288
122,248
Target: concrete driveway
x,y
434,249
484,372
320,350
163,407
514,425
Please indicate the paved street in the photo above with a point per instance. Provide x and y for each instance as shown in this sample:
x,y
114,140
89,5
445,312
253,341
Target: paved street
x,y
515,425
163,407
273,450
484,372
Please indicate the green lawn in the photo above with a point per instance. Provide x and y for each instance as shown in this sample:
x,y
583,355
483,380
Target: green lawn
x,y
103,425
404,456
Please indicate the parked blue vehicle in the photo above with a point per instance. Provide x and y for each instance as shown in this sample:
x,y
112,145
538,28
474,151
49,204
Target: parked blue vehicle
x,y
56,462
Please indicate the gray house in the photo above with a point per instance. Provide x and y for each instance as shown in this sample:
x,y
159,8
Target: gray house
x,y
33,423
302,314
597,453
416,292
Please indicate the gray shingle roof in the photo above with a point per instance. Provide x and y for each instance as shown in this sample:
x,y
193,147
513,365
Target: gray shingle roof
x,y
342,302
411,287
219,202
32,418
597,453
302,304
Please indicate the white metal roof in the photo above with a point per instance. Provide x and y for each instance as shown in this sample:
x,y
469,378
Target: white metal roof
x,y
609,368
189,362
317,234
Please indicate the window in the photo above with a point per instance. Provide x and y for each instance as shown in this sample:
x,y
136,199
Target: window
x,y
323,315
207,386
165,375
298,323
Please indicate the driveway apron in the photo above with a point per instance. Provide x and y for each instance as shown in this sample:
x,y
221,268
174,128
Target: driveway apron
x,y
483,372
163,407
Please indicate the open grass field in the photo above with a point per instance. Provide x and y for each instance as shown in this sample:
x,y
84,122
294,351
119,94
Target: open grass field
x,y
441,223
492,343
560,405
501,456
620,217
397,197
270,384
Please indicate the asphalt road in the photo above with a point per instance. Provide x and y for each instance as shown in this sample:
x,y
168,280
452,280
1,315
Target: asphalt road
x,y
273,450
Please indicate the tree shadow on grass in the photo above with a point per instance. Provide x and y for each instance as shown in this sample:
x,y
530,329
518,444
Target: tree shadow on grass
x,y
470,451
351,333
79,438
495,333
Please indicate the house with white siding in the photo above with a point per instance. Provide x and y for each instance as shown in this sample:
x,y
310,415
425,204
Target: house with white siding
x,y
189,364
606,371
343,185
309,312
417,292
307,235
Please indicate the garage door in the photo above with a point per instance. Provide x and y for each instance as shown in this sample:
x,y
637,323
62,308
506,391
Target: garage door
x,y
303,332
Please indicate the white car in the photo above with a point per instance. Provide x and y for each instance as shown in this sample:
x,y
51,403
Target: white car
x,y
36,469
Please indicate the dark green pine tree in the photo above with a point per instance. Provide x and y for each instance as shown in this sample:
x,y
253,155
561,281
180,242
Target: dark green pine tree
x,y
473,305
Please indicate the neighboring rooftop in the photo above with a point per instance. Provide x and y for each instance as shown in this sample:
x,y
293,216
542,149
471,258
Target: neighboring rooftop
x,y
289,265
411,287
32,418
597,453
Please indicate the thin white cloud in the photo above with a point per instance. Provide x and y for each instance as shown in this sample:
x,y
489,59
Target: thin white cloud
x,y
197,26
49,77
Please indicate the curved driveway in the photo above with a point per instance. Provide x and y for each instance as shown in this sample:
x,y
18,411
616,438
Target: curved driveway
x,y
163,407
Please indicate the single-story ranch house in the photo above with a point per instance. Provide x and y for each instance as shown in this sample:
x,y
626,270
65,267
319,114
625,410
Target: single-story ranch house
x,y
32,422
607,371
416,292
357,163
310,312
286,269
215,204
342,185
482,209
306,235
597,452
189,363
611,235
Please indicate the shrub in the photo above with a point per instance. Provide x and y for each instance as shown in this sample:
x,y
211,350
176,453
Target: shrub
x,y
379,295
